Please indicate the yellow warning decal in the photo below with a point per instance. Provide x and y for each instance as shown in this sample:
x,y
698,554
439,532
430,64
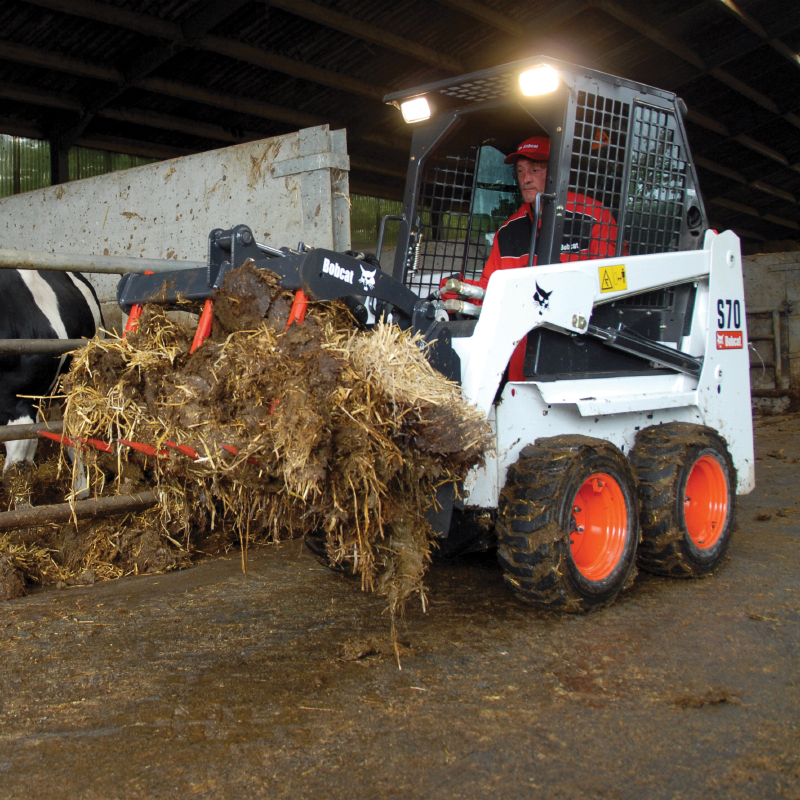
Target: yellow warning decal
x,y
612,279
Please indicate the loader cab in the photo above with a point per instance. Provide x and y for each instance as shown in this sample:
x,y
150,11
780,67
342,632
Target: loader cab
x,y
619,143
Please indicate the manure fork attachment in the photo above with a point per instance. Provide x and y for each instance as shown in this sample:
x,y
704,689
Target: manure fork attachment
x,y
313,274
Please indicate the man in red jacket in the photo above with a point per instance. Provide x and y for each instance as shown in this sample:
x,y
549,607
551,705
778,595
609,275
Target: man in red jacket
x,y
590,230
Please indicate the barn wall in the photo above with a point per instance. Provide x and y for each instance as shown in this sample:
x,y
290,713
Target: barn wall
x,y
288,189
772,282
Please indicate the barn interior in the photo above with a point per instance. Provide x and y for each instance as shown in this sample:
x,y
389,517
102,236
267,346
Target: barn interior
x,y
229,664
160,80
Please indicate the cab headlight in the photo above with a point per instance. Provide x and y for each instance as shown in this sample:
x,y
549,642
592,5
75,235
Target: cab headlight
x,y
416,109
539,80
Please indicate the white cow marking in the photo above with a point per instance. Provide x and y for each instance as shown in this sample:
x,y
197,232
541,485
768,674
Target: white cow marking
x,y
20,450
45,298
90,300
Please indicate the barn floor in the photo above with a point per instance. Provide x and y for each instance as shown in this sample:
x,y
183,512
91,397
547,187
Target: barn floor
x,y
204,683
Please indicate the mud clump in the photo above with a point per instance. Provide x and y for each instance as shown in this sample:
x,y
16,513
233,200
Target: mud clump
x,y
266,432
12,581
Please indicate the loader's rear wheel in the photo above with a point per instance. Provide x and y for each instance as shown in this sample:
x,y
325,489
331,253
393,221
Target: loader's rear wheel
x,y
687,490
568,524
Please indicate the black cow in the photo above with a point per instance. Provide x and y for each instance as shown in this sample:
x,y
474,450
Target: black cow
x,y
38,305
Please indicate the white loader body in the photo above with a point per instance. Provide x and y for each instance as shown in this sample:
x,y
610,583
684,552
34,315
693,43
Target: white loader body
x,y
614,409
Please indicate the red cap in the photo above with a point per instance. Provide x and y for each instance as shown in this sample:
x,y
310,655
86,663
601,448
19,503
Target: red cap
x,y
536,148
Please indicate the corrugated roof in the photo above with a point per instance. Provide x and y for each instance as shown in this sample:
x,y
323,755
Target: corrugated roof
x,y
129,73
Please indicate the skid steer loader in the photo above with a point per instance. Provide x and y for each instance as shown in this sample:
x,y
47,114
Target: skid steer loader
x,y
628,433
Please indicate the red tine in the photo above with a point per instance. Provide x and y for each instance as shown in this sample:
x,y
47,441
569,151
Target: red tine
x,y
147,449
136,311
57,437
183,448
234,451
98,445
203,325
299,307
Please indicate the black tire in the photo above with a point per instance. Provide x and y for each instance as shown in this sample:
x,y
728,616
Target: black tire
x,y
664,459
538,521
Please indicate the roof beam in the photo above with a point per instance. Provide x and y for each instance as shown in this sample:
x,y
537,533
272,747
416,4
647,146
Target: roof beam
x,y
287,66
31,130
171,32
733,175
754,212
168,122
39,97
243,105
488,16
713,125
749,22
687,54
368,33
742,233
22,54
115,15
206,18
132,147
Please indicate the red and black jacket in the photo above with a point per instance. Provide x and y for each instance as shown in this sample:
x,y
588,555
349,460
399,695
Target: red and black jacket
x,y
590,231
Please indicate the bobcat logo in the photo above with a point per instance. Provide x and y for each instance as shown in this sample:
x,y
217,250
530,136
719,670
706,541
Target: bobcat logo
x,y
541,298
367,279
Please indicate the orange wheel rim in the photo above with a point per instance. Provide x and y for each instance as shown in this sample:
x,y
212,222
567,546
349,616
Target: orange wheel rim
x,y
705,505
600,526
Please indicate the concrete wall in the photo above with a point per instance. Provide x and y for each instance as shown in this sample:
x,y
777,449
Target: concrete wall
x,y
288,189
772,281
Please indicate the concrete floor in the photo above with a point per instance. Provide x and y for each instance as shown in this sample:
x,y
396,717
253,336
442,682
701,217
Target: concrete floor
x,y
283,684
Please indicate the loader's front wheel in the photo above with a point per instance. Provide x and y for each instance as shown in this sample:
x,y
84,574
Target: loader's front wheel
x,y
687,489
568,524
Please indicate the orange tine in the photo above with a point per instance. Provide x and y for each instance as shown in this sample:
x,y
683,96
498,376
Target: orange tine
x,y
57,437
183,448
203,325
77,442
147,449
234,451
136,312
98,445
299,307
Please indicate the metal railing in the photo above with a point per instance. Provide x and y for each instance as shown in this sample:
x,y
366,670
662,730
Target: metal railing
x,y
776,363
76,262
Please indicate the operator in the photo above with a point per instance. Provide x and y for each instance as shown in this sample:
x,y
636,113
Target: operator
x,y
590,230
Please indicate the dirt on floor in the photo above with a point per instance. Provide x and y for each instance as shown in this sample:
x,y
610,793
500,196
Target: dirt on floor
x,y
283,683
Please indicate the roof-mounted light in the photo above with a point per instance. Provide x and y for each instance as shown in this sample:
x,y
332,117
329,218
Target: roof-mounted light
x,y
416,109
539,80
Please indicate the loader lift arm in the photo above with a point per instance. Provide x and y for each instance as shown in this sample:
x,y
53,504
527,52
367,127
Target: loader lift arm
x,y
321,274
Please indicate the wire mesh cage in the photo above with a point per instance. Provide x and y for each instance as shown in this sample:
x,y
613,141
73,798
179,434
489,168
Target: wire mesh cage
x,y
657,184
466,194
596,177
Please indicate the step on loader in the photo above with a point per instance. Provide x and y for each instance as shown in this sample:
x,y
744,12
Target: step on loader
x,y
626,434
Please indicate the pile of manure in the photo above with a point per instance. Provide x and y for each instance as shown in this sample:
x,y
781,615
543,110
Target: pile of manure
x,y
69,554
319,430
